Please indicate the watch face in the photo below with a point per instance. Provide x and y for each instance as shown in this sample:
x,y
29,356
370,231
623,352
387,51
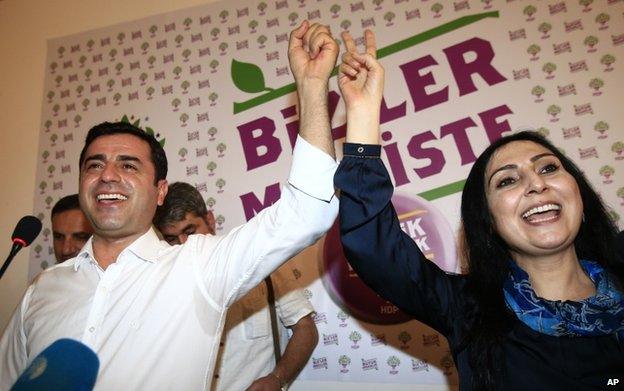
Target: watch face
x,y
424,224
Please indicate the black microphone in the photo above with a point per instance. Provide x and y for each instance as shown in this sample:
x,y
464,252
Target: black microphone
x,y
24,233
66,365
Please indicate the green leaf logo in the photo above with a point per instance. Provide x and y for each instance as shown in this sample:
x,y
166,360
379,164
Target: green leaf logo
x,y
248,77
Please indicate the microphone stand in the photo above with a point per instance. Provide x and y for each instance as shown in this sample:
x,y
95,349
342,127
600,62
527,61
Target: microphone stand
x,y
17,245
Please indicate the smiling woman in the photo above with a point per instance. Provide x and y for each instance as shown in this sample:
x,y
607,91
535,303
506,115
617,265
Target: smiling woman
x,y
542,304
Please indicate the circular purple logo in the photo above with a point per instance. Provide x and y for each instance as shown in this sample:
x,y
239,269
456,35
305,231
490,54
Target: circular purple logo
x,y
423,223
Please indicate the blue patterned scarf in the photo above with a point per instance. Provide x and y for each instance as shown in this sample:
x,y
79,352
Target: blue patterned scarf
x,y
602,314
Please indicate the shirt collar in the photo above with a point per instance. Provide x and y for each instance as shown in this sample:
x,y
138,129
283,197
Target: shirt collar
x,y
146,247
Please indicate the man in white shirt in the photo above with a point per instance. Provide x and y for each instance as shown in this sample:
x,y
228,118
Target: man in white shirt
x,y
247,356
152,312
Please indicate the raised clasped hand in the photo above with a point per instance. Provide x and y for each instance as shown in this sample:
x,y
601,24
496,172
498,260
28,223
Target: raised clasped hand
x,y
312,53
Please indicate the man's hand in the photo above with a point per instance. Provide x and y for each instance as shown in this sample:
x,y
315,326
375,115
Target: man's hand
x,y
361,82
312,53
266,383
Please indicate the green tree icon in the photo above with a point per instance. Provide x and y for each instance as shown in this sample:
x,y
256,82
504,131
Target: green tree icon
x,y
436,8
213,66
344,361
335,9
153,28
543,131
90,44
345,24
120,37
220,183
117,98
182,153
586,4
143,78
50,95
42,186
591,41
618,148
377,4
342,316
58,80
529,11
150,91
82,60
224,15
220,220
112,53
602,19
56,109
184,118
175,103
185,86
538,91
394,362
389,17
553,110
292,17
211,167
77,119
213,98
221,147
110,83
262,6
144,46
186,53
88,73
187,23
404,337
85,104
549,68
215,33
223,46
61,51
607,172
47,125
119,67
178,40
53,66
355,337
253,24
210,202
620,194
596,84
607,60
544,28
261,40
79,90
177,71
212,132
534,50
151,60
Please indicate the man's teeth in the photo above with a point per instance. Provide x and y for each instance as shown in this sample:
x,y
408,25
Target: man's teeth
x,y
121,197
540,209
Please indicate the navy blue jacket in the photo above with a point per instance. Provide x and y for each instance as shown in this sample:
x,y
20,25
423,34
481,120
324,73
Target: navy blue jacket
x,y
390,263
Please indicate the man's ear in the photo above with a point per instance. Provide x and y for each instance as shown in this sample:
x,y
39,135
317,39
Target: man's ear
x,y
210,220
163,188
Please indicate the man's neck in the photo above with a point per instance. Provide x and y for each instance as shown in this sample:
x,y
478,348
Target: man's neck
x,y
107,249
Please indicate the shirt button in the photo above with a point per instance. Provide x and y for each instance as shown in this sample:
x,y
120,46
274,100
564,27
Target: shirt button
x,y
91,329
134,324
360,149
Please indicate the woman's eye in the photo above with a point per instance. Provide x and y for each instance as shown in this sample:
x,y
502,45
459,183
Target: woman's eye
x,y
549,168
505,182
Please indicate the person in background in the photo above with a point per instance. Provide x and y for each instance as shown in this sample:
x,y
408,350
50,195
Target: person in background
x,y
70,228
542,304
247,358
154,313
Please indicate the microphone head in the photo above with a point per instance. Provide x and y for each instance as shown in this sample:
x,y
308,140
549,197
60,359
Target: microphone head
x,y
64,365
26,230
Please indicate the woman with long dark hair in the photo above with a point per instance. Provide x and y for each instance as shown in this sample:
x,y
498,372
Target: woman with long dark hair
x,y
542,304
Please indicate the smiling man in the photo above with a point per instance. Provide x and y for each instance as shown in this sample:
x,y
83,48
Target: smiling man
x,y
152,312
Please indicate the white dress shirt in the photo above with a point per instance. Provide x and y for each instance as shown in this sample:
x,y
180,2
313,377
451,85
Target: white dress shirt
x,y
155,316
247,351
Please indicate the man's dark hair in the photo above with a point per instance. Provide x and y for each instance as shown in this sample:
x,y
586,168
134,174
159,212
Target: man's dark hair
x,y
182,198
158,156
69,202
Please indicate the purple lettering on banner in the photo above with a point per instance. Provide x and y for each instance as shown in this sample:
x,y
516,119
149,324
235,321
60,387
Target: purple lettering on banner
x,y
482,64
416,83
252,205
292,128
394,160
436,156
265,140
388,114
458,130
495,129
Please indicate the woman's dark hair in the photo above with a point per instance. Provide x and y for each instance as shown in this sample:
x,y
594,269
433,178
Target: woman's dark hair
x,y
488,256
157,153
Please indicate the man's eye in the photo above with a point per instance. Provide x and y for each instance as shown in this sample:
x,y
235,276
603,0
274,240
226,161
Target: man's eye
x,y
94,165
129,167
190,231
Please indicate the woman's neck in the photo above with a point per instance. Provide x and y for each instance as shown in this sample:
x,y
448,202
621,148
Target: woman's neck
x,y
557,277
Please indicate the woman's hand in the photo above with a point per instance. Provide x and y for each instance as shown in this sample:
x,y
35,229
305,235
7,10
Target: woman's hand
x,y
361,81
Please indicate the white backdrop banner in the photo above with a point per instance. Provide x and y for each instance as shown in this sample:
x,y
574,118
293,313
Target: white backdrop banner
x,y
213,84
